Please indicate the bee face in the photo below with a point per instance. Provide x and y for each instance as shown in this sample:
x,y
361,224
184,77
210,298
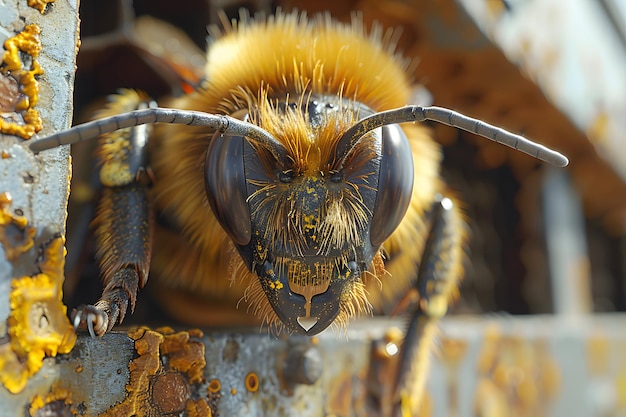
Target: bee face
x,y
305,228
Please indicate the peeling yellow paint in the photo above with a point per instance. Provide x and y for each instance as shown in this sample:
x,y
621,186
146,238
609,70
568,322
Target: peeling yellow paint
x,y
39,4
55,394
27,42
38,324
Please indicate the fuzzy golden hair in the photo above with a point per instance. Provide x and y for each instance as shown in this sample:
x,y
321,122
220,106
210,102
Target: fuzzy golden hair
x,y
282,58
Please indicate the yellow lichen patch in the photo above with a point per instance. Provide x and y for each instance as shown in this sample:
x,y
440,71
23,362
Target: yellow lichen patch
x,y
16,236
26,42
185,355
39,4
55,394
149,375
38,324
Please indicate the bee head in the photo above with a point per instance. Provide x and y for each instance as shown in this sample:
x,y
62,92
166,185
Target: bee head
x,y
309,226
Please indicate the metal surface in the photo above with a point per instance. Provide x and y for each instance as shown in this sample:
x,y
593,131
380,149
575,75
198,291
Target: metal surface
x,y
34,189
539,366
566,246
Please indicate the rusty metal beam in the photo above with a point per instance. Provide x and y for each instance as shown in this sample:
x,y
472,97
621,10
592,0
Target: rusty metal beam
x,y
535,366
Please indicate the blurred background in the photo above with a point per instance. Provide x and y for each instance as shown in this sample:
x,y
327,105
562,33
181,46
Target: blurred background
x,y
546,244
543,240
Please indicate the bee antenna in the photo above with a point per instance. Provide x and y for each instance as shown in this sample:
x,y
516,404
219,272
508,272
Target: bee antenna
x,y
451,118
225,124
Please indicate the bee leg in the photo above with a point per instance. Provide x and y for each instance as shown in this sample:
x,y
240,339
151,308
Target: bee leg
x,y
123,222
436,285
124,246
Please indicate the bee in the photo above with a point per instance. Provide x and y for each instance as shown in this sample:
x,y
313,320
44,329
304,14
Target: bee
x,y
294,189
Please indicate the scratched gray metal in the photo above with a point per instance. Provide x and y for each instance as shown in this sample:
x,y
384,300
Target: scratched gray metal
x,y
556,349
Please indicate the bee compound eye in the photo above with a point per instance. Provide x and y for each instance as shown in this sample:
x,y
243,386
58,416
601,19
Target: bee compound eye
x,y
395,184
225,184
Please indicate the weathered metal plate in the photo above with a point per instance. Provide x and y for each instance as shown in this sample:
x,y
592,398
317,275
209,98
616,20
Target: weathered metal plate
x,y
482,367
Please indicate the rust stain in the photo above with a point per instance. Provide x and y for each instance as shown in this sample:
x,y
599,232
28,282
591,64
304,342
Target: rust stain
x,y
516,377
170,392
37,325
39,4
27,42
214,395
198,408
383,370
168,363
340,393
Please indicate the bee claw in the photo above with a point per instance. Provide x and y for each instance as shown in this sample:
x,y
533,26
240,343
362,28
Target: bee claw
x,y
90,318
77,317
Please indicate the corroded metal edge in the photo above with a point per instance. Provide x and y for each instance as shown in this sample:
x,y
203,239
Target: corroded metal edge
x,y
35,190
532,366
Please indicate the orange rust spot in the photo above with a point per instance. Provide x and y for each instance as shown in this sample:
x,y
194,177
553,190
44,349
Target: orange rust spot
x,y
16,236
170,393
159,387
37,325
252,382
78,369
198,408
214,386
39,4
5,154
27,42
233,391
